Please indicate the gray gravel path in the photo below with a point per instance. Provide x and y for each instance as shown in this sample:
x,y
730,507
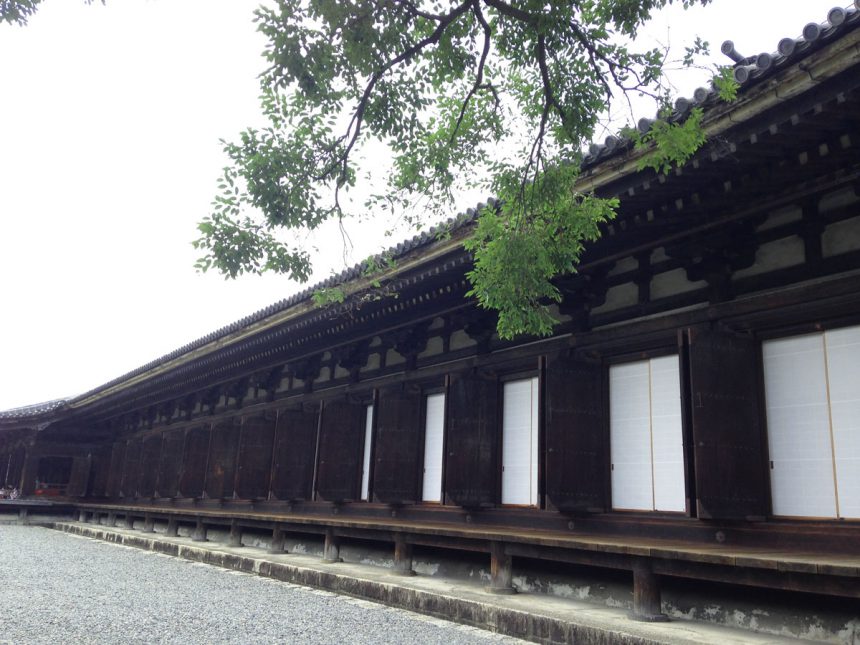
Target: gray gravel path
x,y
59,588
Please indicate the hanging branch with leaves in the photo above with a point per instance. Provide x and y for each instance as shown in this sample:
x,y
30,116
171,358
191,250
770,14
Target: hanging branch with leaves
x,y
501,95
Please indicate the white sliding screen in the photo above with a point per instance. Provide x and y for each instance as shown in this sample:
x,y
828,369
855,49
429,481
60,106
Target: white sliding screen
x,y
365,464
434,435
520,442
812,389
646,439
843,361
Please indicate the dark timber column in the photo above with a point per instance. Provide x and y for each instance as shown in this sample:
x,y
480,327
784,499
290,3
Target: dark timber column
x,y
646,594
402,557
148,524
172,527
199,534
331,550
235,535
278,539
111,519
129,521
82,517
501,570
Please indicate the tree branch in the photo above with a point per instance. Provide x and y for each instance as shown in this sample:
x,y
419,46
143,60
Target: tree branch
x,y
408,54
479,76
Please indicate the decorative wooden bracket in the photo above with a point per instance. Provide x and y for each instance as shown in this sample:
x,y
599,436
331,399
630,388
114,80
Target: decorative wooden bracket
x,y
211,398
479,325
352,357
715,257
409,342
580,294
238,391
189,403
307,370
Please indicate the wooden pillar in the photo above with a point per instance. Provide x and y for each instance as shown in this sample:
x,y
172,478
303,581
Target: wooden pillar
x,y
402,557
199,534
82,517
111,519
23,515
646,594
501,570
148,524
172,527
129,521
235,535
331,549
96,518
278,540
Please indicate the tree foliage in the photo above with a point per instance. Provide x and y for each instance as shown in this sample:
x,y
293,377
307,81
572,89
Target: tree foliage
x,y
501,94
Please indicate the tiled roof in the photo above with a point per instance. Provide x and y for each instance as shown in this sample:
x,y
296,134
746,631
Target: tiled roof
x,y
748,71
34,410
422,239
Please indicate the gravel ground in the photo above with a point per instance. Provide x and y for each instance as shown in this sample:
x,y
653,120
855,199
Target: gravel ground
x,y
59,588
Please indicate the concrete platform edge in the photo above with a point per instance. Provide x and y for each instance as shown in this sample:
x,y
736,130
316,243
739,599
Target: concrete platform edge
x,y
489,614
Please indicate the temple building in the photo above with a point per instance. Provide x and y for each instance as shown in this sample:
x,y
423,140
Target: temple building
x,y
695,415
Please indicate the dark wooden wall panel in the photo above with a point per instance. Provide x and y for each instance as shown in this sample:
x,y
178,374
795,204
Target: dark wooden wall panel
x,y
341,439
15,467
575,436
150,457
117,461
295,449
100,473
729,460
221,470
398,446
131,468
472,442
79,477
170,465
255,456
194,461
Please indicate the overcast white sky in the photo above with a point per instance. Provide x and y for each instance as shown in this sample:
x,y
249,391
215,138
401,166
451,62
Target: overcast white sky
x,y
110,118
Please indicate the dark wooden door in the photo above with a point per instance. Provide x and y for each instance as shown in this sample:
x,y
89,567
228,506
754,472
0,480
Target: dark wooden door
x,y
194,462
117,461
221,470
340,446
398,446
575,436
149,458
729,464
131,468
255,456
79,477
295,449
472,442
171,463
